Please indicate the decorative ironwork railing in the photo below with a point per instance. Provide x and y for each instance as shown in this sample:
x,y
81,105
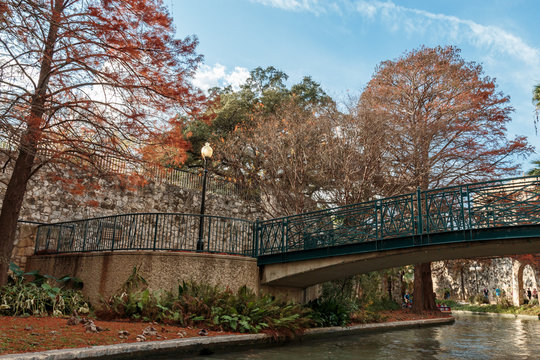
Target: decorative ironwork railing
x,y
192,180
490,204
178,177
484,205
148,231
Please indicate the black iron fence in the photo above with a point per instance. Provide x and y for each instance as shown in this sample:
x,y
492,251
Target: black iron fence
x,y
457,210
147,231
185,179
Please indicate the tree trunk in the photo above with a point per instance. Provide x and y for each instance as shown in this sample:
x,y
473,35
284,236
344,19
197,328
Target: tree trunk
x,y
14,196
423,296
11,208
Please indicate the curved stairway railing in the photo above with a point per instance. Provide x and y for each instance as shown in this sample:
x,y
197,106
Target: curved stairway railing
x,y
147,231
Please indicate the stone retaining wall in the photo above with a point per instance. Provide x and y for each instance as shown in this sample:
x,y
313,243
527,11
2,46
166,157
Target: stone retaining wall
x,y
24,244
104,273
507,274
48,199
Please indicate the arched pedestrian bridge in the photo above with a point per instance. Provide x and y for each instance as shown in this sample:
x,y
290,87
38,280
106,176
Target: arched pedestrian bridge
x,y
492,218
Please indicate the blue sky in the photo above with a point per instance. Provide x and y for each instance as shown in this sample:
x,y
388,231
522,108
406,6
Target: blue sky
x,y
339,43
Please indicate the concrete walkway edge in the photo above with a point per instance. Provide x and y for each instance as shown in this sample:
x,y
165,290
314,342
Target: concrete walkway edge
x,y
207,345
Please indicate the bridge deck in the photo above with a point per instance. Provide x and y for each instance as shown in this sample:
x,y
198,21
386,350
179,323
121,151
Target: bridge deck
x,y
494,210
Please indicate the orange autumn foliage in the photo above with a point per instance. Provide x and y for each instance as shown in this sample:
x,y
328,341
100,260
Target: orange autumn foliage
x,y
94,81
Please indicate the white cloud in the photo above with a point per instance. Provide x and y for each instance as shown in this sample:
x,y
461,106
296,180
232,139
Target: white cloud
x,y
207,77
237,77
416,21
313,6
366,9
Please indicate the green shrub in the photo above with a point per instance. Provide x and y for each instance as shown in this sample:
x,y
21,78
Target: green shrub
x,y
504,302
450,303
207,306
38,297
331,312
476,299
364,316
383,304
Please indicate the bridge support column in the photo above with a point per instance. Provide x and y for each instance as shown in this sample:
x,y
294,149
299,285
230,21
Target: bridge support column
x,y
299,295
517,282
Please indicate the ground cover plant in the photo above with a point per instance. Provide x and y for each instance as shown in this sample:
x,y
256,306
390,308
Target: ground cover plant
x,y
31,333
340,303
42,295
141,314
205,306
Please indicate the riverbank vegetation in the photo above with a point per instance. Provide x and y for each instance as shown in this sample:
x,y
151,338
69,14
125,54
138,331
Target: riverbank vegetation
x,y
41,296
503,307
205,306
197,305
52,314
32,333
211,307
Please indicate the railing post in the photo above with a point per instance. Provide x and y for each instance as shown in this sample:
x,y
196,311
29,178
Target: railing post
x,y
420,228
58,240
37,239
413,218
209,234
114,233
84,234
256,238
461,195
427,213
377,232
48,237
156,231
469,207
283,237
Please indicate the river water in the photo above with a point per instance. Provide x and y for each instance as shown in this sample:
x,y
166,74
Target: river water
x,y
470,337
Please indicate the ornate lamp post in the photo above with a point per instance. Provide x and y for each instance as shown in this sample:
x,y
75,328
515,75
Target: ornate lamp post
x,y
206,153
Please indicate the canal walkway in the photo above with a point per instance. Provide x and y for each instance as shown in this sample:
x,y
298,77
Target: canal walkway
x,y
209,345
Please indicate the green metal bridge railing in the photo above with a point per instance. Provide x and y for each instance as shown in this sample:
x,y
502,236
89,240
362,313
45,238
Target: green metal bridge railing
x,y
457,210
147,231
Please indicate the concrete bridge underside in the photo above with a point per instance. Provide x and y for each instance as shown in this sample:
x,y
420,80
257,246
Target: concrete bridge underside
x,y
304,273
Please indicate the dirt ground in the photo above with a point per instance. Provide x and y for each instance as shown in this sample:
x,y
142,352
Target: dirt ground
x,y
29,334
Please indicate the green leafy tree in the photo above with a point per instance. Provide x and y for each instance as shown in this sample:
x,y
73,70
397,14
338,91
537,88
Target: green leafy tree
x,y
536,170
262,94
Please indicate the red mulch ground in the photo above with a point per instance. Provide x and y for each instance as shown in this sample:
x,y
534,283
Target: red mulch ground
x,y
407,314
28,334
